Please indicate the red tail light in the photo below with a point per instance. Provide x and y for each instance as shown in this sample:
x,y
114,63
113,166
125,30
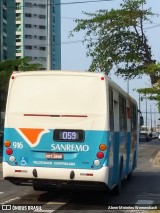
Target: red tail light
x,y
100,155
102,78
9,151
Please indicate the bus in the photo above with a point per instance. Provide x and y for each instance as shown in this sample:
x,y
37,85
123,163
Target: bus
x,y
69,129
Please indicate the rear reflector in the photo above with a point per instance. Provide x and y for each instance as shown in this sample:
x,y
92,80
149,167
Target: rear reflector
x,y
24,171
12,159
97,162
86,174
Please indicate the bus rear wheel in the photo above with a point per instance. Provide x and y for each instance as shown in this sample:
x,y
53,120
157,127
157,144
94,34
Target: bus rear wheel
x,y
129,176
117,189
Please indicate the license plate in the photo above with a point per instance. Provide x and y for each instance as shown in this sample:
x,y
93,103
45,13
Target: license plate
x,y
56,156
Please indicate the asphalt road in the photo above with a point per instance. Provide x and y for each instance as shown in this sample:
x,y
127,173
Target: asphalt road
x,y
142,189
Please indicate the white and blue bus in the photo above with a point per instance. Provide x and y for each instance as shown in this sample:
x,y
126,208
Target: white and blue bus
x,y
69,129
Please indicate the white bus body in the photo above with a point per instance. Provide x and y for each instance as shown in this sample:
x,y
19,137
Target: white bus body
x,y
68,128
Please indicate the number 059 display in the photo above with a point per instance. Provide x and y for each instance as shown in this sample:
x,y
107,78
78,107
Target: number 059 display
x,y
68,135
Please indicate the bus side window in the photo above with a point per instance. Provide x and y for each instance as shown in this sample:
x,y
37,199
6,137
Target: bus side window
x,y
122,113
116,116
111,110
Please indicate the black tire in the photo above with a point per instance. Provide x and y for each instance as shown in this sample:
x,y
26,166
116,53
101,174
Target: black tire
x,y
117,189
129,176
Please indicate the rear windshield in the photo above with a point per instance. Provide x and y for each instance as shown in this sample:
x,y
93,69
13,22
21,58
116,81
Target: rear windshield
x,y
57,94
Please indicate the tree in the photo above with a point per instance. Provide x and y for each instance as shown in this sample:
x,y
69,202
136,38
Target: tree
x,y
6,69
153,93
116,38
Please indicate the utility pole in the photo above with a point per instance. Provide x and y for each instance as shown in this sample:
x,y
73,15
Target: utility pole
x,y
151,118
146,112
128,85
155,123
139,102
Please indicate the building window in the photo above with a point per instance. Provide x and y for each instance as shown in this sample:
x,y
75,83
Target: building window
x,y
18,39
18,17
28,15
42,16
5,3
27,47
42,6
28,25
18,6
42,48
42,37
28,36
4,54
42,27
42,59
27,4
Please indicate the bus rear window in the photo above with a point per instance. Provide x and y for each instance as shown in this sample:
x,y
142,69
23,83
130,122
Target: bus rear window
x,y
57,94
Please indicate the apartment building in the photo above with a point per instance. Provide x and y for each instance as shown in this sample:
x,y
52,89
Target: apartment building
x,y
38,32
7,29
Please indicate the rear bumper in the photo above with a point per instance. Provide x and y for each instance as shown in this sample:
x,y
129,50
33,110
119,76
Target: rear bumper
x,y
56,176
45,184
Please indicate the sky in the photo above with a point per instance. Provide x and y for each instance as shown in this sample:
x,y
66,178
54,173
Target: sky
x,y
74,52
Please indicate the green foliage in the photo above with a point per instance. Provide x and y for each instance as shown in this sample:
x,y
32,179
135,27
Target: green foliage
x,y
23,64
6,69
152,93
116,39
8,66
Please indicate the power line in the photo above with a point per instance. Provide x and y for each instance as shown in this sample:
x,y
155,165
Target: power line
x,y
54,4
78,41
147,28
71,18
81,2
